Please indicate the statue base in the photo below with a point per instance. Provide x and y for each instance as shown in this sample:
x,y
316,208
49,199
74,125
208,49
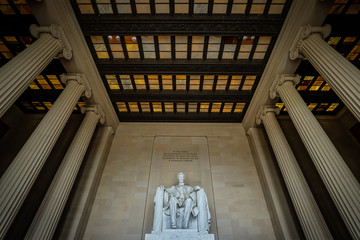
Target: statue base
x,y
183,234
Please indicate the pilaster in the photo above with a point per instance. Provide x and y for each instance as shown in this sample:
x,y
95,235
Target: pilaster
x,y
18,179
50,210
309,215
284,224
341,184
76,219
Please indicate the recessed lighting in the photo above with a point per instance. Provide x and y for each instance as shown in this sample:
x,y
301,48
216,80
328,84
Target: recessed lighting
x,y
133,39
252,37
110,37
117,37
245,37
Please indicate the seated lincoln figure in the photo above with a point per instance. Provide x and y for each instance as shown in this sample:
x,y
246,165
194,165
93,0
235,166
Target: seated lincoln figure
x,y
182,206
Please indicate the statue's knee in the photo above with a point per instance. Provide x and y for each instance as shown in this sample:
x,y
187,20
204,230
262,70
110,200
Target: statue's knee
x,y
173,200
188,201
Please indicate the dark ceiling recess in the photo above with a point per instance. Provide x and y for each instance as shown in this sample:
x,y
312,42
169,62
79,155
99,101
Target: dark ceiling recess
x,y
174,61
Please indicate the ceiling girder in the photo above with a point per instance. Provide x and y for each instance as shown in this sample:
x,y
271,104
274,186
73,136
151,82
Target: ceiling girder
x,y
181,25
182,96
180,117
163,66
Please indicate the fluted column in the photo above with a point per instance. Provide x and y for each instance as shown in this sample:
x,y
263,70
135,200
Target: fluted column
x,y
339,73
18,179
311,220
17,74
49,213
342,185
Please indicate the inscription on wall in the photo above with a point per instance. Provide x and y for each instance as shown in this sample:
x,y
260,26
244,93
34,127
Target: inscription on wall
x,y
180,156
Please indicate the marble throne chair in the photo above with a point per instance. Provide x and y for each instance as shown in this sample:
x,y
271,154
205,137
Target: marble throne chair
x,y
198,225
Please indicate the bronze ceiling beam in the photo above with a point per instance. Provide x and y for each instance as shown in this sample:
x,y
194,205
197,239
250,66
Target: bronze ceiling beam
x,y
181,96
214,25
181,117
167,66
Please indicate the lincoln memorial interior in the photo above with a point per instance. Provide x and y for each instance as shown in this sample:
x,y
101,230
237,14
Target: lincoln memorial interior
x,y
103,102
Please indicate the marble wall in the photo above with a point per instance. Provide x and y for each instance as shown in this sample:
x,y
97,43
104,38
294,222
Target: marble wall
x,y
120,208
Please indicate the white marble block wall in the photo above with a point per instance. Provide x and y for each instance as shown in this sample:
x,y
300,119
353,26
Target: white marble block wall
x,y
122,208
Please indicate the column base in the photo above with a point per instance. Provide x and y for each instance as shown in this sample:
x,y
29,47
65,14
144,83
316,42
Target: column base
x,y
183,234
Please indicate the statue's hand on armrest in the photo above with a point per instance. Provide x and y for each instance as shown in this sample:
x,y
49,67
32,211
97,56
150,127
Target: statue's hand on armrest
x,y
197,188
195,211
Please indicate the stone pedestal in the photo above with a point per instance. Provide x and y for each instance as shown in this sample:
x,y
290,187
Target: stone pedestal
x,y
51,208
340,182
18,179
309,215
16,75
180,234
339,73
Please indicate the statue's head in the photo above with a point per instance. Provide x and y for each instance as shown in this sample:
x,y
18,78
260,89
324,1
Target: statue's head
x,y
181,177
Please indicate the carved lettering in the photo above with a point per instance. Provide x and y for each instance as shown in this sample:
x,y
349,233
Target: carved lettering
x,y
180,156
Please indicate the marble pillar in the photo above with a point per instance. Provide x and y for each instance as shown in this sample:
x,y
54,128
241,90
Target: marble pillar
x,y
75,220
311,220
17,74
50,210
339,73
342,185
19,177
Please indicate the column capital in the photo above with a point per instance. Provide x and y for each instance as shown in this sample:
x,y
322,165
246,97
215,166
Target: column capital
x,y
78,77
303,33
281,79
264,109
57,32
96,109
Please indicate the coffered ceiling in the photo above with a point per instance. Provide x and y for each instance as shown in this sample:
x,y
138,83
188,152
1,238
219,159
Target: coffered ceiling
x,y
180,60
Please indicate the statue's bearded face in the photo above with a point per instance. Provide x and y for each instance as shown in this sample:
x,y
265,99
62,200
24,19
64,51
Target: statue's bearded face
x,y
181,178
